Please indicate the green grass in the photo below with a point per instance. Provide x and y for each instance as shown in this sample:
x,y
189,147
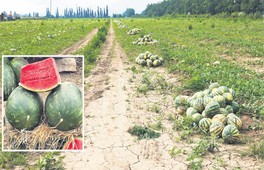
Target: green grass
x,y
189,53
93,49
43,36
143,132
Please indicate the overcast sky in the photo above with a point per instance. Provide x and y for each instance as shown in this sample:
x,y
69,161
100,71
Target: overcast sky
x,y
115,6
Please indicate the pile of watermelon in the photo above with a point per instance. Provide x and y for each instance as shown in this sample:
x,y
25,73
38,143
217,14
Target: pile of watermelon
x,y
213,111
24,106
146,39
120,24
134,31
148,59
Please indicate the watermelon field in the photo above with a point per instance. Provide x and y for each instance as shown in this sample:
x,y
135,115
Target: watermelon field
x,y
136,117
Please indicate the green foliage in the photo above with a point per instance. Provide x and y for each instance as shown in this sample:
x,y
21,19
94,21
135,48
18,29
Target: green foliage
x,y
257,149
200,149
173,7
93,49
50,162
8,160
143,132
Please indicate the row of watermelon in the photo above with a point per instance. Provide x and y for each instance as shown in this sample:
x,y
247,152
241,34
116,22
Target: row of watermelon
x,y
24,107
213,110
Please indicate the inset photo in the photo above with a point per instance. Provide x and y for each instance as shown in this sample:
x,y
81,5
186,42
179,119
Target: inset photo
x,y
42,103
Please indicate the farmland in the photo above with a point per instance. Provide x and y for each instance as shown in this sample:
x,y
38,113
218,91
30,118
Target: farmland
x,y
43,36
122,97
190,46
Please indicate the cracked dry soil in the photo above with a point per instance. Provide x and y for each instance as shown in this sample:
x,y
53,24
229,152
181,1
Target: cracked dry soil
x,y
113,105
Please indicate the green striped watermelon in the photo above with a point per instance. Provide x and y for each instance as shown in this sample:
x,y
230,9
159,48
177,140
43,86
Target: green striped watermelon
x,y
234,120
216,129
9,81
63,107
212,109
190,111
220,118
213,86
205,124
24,109
17,63
230,134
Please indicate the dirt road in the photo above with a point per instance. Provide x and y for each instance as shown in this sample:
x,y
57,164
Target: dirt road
x,y
80,44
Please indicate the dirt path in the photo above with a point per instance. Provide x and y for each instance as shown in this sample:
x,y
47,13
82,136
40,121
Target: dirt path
x,y
80,44
109,115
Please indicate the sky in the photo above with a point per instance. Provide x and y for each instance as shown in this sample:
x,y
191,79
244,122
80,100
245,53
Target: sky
x,y
115,6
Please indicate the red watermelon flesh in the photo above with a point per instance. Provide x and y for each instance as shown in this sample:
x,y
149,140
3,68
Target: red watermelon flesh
x,y
75,144
40,76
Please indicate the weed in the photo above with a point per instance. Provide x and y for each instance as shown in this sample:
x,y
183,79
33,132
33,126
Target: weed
x,y
154,108
158,125
49,162
257,149
143,132
202,148
143,89
174,152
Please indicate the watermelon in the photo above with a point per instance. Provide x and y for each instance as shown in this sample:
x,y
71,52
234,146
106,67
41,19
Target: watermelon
x,y
6,60
181,100
212,109
143,62
232,92
216,129
63,107
9,81
16,64
156,63
24,109
231,115
235,106
221,100
196,118
220,118
229,109
207,100
149,63
40,76
224,111
216,92
230,134
234,120
198,95
223,89
228,98
141,56
74,144
197,104
190,111
213,85
205,124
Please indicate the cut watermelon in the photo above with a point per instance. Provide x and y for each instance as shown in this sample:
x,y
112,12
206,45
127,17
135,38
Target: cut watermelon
x,y
40,76
75,144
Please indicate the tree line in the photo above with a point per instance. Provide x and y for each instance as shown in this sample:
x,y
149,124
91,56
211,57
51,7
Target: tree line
x,y
204,7
80,12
